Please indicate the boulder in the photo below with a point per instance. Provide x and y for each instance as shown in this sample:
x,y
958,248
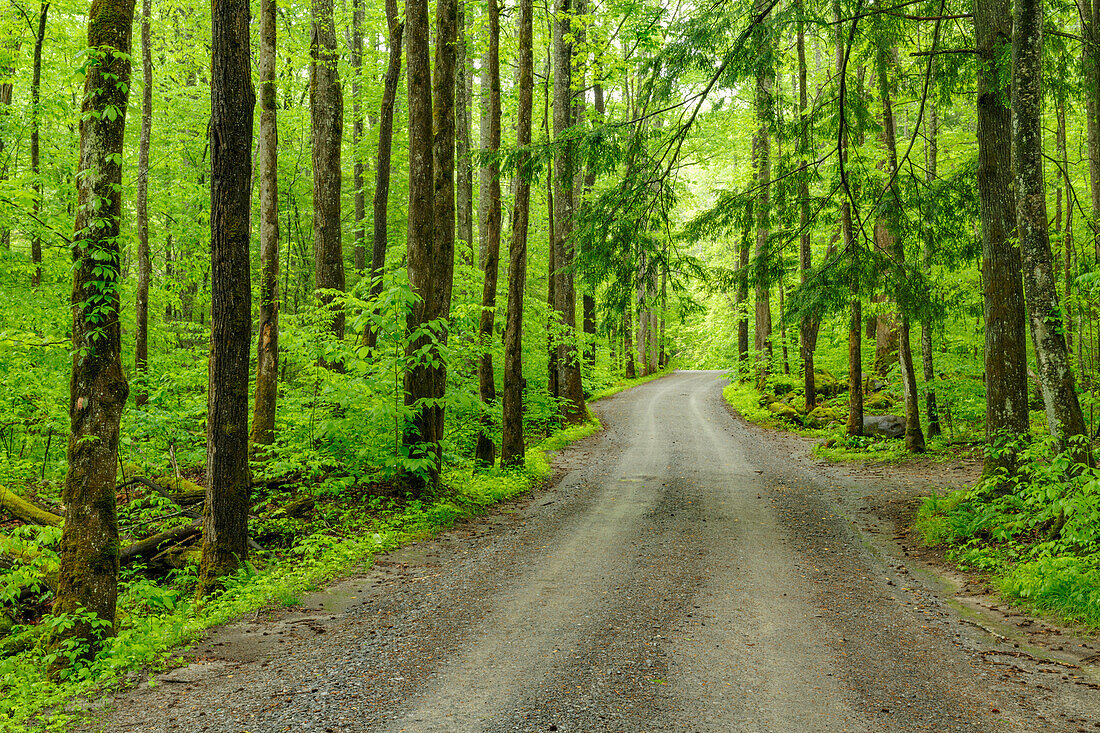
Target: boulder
x,y
821,416
877,401
783,410
884,426
827,384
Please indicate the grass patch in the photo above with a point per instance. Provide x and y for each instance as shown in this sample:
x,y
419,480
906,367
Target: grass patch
x,y
624,384
155,619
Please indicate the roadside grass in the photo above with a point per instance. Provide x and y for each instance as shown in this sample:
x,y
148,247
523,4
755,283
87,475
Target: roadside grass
x,y
1035,539
156,619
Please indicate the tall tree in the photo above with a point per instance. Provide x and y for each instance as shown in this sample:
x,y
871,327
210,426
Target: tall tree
x,y
511,444
894,242
326,106
1006,412
359,231
573,408
385,151
761,155
848,244
931,162
464,174
267,342
144,266
486,449
228,483
88,565
36,124
808,327
1044,310
7,73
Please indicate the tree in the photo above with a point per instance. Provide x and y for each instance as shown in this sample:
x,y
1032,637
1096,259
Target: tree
x,y
761,149
326,106
809,325
144,265
36,86
88,572
228,483
1006,416
930,164
360,249
382,167
267,342
1064,418
486,450
511,444
573,408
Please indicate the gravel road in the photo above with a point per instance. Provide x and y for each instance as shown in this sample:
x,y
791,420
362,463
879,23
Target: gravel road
x,y
683,572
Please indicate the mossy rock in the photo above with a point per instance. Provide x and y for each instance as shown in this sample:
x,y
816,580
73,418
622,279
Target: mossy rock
x,y
826,383
783,410
821,416
877,402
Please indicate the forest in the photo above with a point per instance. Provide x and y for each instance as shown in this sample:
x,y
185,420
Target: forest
x,y
287,284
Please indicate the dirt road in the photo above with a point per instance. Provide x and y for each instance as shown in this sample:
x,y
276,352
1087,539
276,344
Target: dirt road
x,y
686,572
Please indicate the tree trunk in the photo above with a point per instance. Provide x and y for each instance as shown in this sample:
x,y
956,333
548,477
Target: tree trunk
x,y
225,516
88,572
930,164
485,453
855,322
36,207
6,73
761,150
895,245
1006,413
551,276
464,80
443,153
1063,411
631,371
326,109
744,252
359,230
1090,51
512,445
144,267
808,325
643,317
484,172
382,168
267,347
573,409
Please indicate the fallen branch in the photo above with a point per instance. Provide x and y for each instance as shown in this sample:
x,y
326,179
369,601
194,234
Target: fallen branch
x,y
22,509
152,546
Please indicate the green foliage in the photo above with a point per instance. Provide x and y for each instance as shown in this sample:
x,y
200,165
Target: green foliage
x,y
1038,534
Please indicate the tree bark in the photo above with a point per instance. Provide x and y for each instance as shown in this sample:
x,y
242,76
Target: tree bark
x,y
36,179
359,230
630,371
573,409
144,266
742,296
232,98
382,167
267,347
326,107
1064,418
6,74
484,173
443,152
485,453
88,572
1006,413
512,449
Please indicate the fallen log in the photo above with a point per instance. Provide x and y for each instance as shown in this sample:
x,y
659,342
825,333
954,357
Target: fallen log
x,y
152,546
22,509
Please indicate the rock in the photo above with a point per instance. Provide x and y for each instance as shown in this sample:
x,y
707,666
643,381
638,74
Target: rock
x,y
783,410
884,426
877,401
821,416
827,384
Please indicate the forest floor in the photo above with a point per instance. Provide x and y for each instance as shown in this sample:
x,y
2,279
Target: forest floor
x,y
682,571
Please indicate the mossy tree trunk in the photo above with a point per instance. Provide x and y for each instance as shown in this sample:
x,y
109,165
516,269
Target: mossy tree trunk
x,y
144,265
1006,413
88,572
225,516
512,445
267,346
36,117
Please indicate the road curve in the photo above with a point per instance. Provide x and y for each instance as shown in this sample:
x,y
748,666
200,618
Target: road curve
x,y
684,573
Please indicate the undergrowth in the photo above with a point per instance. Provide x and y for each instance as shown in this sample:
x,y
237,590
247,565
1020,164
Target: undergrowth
x,y
1036,536
156,618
